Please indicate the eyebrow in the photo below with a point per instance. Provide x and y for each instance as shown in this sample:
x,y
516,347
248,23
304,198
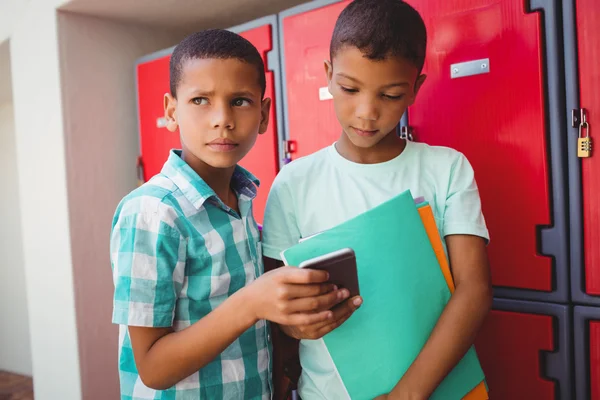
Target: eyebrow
x,y
200,92
342,75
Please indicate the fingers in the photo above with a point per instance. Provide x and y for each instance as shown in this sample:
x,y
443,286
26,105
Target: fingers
x,y
307,318
321,328
318,303
302,275
340,314
296,291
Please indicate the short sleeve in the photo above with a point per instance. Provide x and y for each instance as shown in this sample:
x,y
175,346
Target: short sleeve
x,y
147,256
462,213
280,229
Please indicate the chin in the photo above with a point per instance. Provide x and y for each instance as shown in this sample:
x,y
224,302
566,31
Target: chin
x,y
364,142
222,162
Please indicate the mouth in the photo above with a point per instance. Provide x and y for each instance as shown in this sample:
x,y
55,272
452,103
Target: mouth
x,y
222,145
364,132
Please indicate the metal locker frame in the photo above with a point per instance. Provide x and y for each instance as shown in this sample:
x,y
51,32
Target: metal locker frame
x,y
581,317
553,242
571,63
273,64
556,365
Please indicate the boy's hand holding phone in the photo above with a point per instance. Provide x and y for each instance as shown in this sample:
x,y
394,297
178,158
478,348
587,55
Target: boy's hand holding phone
x,y
317,330
342,271
294,296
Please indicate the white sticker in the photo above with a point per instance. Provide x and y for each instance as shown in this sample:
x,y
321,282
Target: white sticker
x,y
324,94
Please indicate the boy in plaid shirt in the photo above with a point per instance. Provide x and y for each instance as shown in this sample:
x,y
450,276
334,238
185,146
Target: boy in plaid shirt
x,y
190,295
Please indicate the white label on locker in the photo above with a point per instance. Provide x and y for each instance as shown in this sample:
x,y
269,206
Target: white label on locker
x,y
470,68
324,94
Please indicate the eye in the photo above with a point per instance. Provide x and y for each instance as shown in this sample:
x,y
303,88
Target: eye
x,y
241,102
348,90
200,101
390,97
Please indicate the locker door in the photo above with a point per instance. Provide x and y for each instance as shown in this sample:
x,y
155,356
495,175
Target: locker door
x,y
263,159
587,352
588,33
581,35
152,73
524,350
306,33
157,141
485,96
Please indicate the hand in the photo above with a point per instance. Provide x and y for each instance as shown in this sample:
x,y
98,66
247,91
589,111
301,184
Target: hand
x,y
292,296
381,397
317,330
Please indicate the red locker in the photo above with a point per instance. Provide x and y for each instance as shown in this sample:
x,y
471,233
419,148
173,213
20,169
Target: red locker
x,y
311,120
588,35
587,352
156,140
524,350
485,96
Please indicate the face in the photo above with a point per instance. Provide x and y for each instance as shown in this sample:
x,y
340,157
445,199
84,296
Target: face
x,y
370,96
219,111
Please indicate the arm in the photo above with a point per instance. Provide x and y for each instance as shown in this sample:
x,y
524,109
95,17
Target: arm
x,y
458,325
289,295
164,357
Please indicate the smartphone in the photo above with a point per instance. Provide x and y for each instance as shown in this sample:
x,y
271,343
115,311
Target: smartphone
x,y
341,265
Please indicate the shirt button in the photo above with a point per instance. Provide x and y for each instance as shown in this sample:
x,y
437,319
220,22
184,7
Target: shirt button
x,y
269,337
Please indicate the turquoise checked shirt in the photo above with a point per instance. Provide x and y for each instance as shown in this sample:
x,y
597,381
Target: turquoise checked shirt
x,y
177,253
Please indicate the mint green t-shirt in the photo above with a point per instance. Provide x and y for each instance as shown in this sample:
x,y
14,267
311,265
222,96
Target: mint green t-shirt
x,y
320,191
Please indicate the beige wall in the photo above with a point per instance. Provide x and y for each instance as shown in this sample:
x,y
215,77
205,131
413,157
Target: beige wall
x,y
101,143
44,208
15,352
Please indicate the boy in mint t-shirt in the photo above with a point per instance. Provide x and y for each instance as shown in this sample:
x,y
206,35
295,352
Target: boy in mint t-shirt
x,y
377,54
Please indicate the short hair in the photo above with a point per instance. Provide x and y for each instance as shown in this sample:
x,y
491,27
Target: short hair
x,y
380,29
214,43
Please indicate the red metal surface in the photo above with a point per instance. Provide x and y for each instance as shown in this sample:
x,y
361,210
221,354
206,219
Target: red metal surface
x,y
153,83
496,119
156,142
312,122
263,160
595,360
588,14
508,347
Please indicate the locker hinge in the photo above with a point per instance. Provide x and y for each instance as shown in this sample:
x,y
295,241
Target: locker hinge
x,y
289,148
584,141
139,166
406,132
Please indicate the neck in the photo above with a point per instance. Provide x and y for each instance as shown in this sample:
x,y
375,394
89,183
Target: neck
x,y
219,179
386,149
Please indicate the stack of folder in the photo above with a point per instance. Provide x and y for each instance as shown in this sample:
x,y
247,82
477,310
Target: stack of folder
x,y
405,283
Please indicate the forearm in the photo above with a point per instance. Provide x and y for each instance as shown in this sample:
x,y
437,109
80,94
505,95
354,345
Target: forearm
x,y
452,336
178,355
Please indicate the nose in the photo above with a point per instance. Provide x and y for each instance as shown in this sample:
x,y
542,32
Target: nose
x,y
366,109
222,117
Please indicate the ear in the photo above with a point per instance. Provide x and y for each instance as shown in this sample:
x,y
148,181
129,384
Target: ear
x,y
328,73
418,84
265,110
170,105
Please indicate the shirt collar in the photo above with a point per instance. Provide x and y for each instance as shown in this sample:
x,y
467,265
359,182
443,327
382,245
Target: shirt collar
x,y
196,190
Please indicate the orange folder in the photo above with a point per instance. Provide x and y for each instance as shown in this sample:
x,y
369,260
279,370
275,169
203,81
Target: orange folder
x,y
480,391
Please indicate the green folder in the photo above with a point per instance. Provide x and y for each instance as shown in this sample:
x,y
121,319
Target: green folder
x,y
404,294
